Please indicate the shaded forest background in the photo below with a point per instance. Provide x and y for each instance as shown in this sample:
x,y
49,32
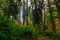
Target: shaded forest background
x,y
29,19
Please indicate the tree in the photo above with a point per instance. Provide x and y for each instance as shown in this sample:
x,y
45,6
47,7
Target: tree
x,y
12,8
51,14
37,13
57,2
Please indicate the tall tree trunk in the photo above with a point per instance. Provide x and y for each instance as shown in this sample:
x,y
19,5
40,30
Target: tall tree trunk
x,y
37,13
23,12
26,12
44,18
50,10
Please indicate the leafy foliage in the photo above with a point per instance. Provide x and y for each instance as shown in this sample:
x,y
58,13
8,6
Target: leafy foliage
x,y
9,31
14,30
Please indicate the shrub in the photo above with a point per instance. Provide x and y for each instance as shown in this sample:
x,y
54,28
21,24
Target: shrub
x,y
9,31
